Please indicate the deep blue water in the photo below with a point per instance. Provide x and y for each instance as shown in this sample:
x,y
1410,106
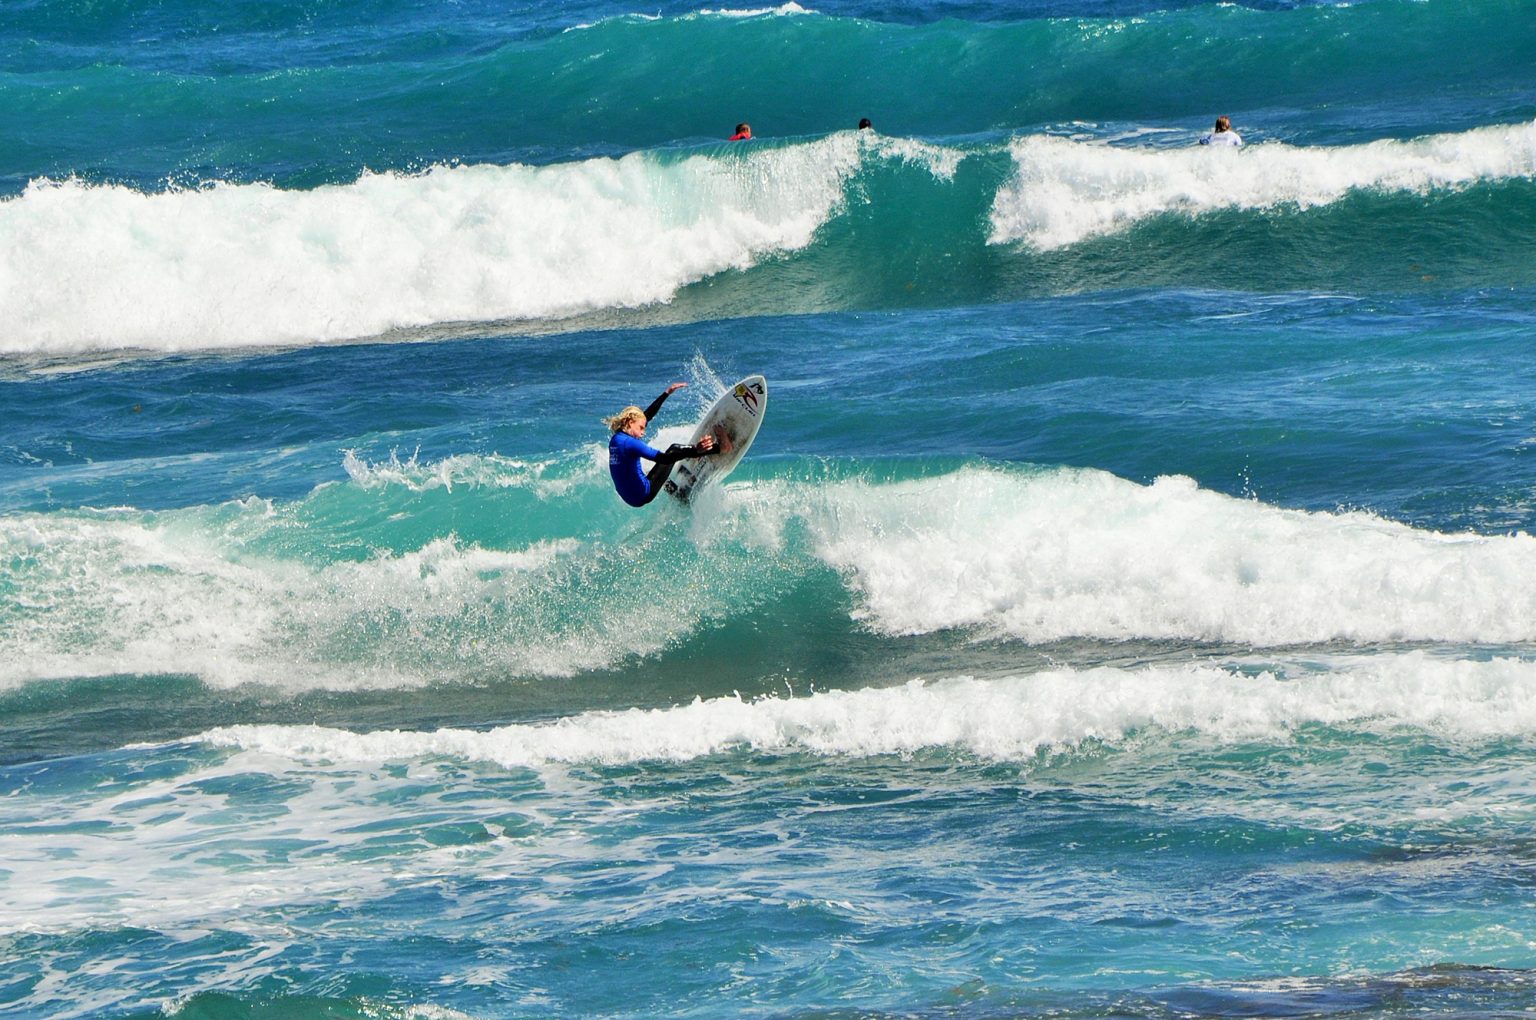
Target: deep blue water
x,y
1128,608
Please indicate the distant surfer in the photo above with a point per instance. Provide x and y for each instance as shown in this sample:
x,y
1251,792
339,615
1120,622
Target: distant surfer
x,y
743,133
628,446
1223,135
865,125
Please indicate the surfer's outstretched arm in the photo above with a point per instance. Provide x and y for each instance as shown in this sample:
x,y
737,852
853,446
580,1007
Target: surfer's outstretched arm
x,y
650,412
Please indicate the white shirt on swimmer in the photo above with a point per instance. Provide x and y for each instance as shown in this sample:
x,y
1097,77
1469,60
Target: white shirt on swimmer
x,y
1227,137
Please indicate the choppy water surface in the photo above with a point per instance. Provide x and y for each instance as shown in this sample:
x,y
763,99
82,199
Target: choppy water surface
x,y
1128,608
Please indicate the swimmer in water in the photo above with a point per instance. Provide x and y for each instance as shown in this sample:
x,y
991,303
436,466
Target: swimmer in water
x,y
1223,135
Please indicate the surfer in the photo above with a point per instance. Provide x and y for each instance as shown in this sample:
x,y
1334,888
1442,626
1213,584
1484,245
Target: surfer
x,y
743,133
1223,135
628,446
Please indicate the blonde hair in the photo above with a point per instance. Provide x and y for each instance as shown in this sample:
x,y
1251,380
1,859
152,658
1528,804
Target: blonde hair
x,y
621,420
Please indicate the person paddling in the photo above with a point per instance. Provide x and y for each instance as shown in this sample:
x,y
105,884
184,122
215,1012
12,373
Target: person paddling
x,y
628,446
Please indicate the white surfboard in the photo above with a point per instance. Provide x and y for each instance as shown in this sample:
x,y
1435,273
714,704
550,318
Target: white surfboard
x,y
733,421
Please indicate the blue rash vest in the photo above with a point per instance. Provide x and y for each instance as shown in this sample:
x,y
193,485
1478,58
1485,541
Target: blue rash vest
x,y
624,453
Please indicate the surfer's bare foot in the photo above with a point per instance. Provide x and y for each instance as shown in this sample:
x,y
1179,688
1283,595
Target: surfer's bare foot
x,y
723,440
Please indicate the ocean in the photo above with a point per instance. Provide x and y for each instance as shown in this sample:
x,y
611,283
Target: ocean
x,y
1127,610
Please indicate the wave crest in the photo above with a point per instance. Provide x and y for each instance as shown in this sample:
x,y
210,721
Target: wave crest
x,y
104,266
1064,191
1012,719
1086,554
392,580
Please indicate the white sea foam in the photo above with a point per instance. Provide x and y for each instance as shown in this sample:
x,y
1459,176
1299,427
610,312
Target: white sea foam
x,y
789,9
97,266
1010,719
939,160
1086,554
101,267
1066,191
782,10
997,553
120,594
141,855
314,815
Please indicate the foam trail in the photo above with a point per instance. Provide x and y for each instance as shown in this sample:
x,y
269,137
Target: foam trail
x,y
1064,192
89,267
1012,719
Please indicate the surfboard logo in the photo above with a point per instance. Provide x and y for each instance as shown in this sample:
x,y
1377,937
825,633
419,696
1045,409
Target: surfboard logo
x,y
747,398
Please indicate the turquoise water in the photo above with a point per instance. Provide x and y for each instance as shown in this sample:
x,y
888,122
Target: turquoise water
x,y
1127,610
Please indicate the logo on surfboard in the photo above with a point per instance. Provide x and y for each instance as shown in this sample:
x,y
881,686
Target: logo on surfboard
x,y
747,398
